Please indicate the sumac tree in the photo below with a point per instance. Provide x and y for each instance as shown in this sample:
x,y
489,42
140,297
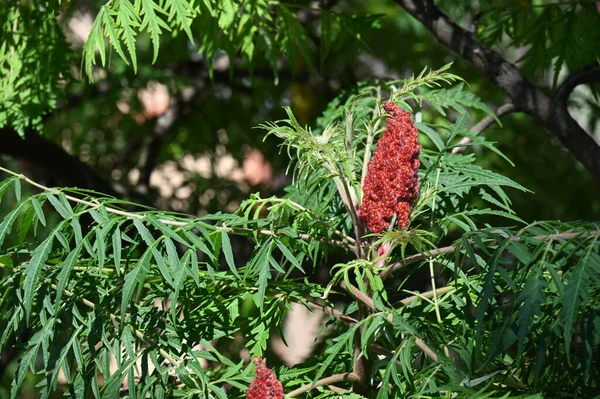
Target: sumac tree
x,y
115,299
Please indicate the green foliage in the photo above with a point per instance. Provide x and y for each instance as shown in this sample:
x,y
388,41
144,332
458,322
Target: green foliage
x,y
100,292
34,57
134,261
248,29
561,34
170,300
33,54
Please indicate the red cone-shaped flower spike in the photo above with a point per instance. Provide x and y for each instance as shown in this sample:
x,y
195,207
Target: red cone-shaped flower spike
x,y
392,183
265,385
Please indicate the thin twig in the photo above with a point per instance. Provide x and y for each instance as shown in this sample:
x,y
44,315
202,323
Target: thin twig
x,y
484,124
178,223
324,381
337,389
315,216
453,248
364,299
427,294
332,311
358,294
426,349
588,74
348,200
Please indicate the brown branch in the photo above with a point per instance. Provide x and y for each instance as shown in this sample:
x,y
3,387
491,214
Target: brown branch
x,y
368,302
426,349
588,74
359,295
380,350
416,258
53,162
324,381
484,124
337,389
427,294
551,112
361,365
332,312
351,208
453,248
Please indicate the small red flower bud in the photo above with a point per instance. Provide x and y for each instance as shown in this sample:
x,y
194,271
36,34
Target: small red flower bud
x,y
265,385
392,183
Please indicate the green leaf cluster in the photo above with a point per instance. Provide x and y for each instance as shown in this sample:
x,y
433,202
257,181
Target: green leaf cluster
x,y
33,63
560,34
112,293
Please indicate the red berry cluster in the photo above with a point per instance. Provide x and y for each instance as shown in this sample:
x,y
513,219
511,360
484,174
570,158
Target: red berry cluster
x,y
392,183
265,385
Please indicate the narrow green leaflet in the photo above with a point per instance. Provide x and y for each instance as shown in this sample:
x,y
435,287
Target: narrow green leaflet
x,y
33,271
431,134
127,18
172,256
5,185
65,272
116,246
61,363
9,220
163,267
38,211
288,255
333,351
110,30
390,371
229,11
144,232
228,252
26,363
586,273
17,188
182,12
166,230
178,282
264,274
100,248
152,23
95,40
135,278
199,244
59,206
